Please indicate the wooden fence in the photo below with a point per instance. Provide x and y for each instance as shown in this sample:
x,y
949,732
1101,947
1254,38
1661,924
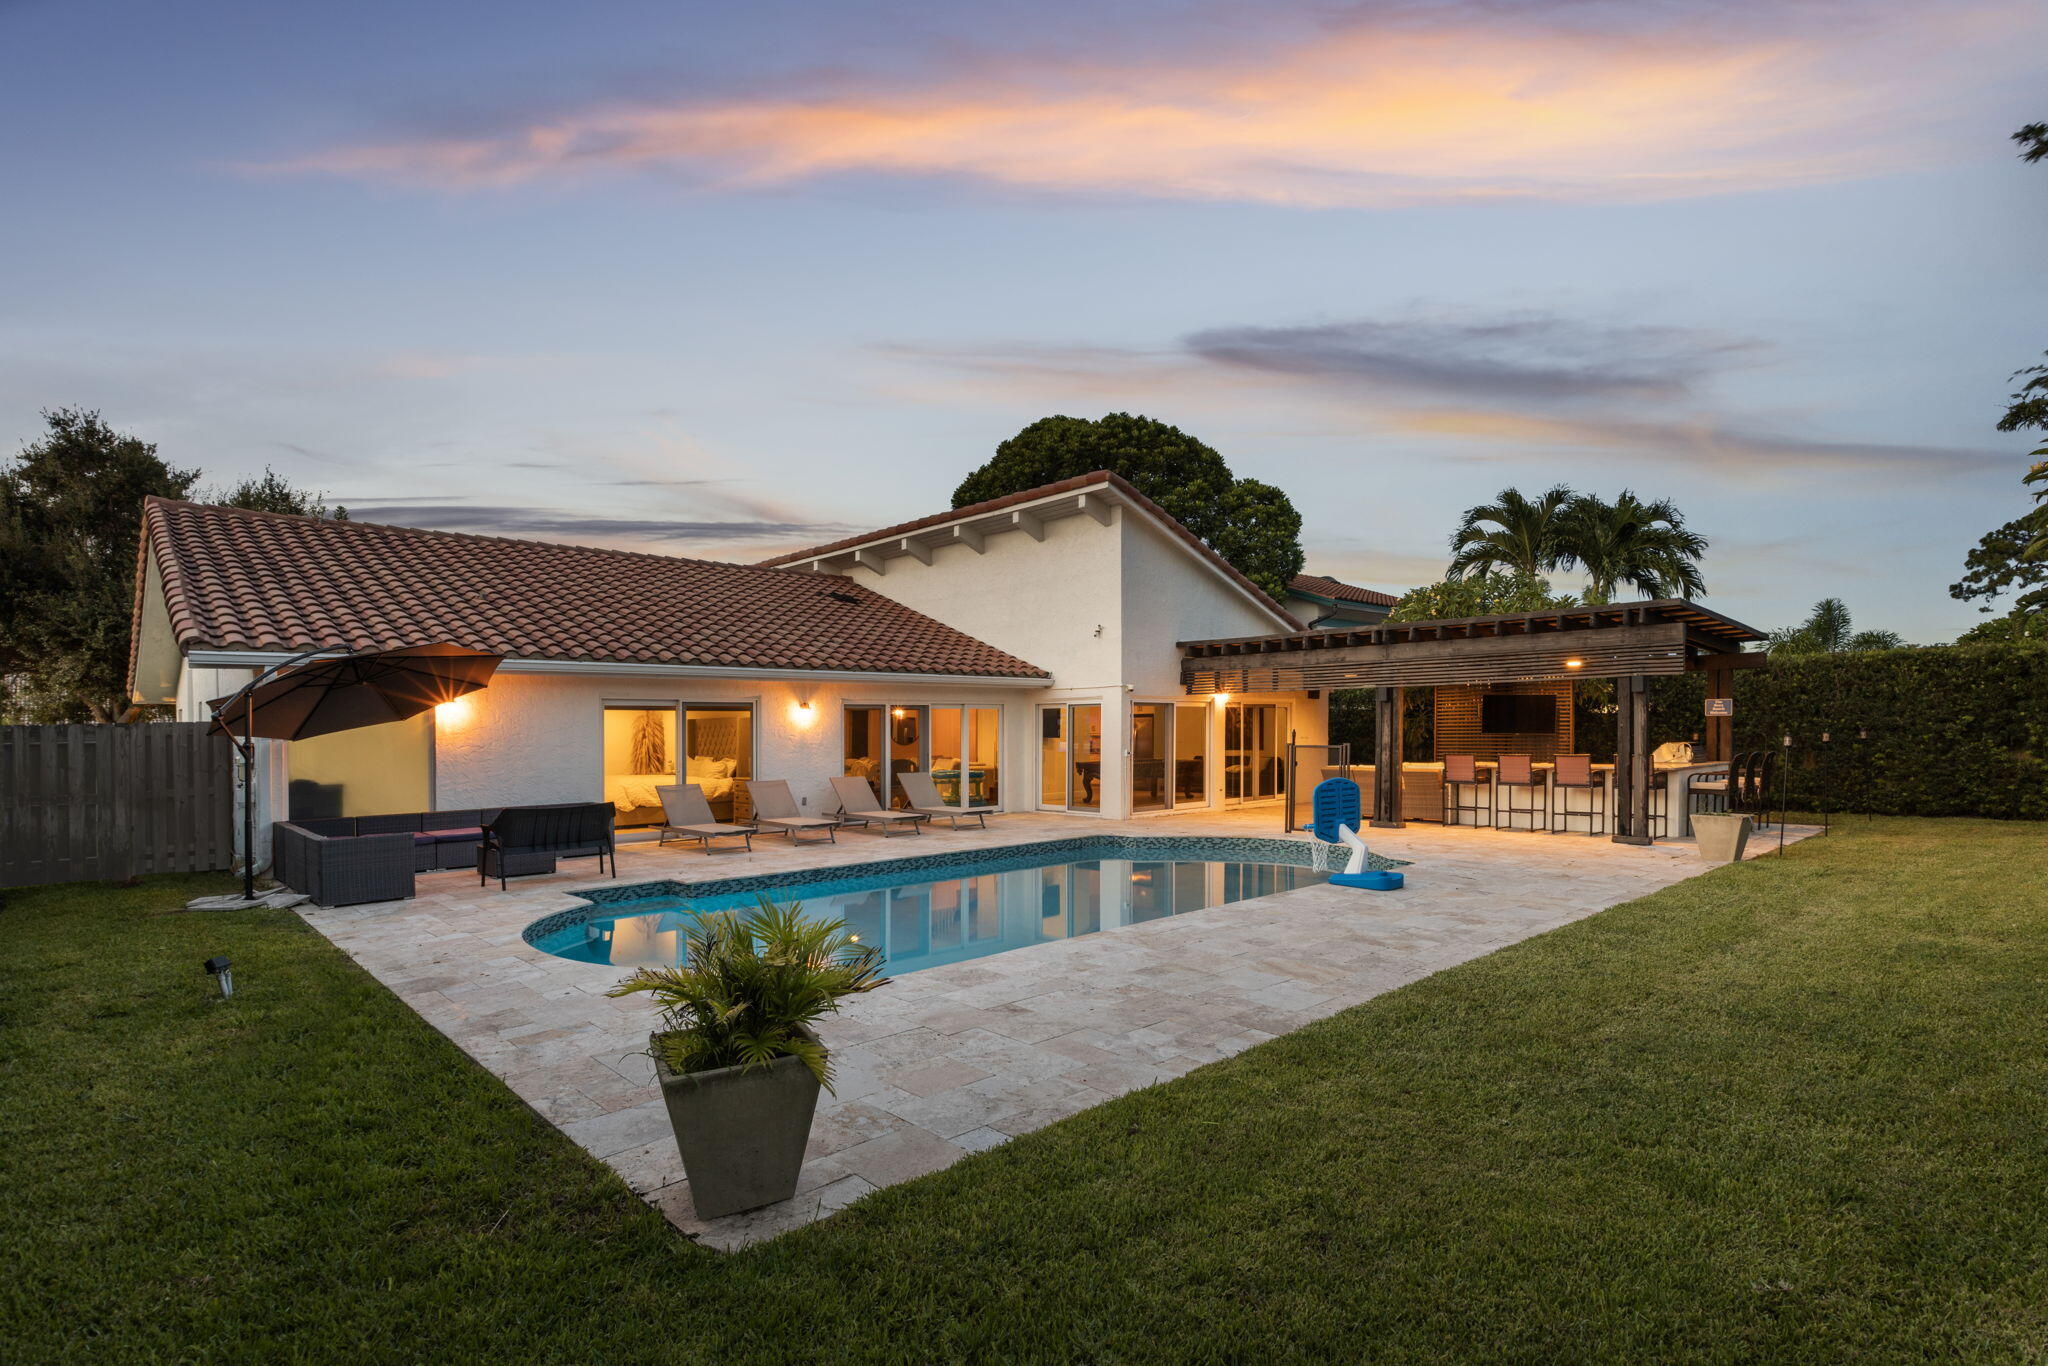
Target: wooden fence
x,y
81,803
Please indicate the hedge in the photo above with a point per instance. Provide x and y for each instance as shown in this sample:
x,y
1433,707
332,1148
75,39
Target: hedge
x,y
1947,730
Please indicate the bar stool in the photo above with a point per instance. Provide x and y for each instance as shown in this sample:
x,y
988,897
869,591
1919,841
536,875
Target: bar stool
x,y
1574,773
1462,770
1511,771
1756,787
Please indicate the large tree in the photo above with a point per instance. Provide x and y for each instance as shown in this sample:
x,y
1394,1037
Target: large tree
x,y
70,518
1514,532
1643,545
1252,525
2014,558
272,492
1492,594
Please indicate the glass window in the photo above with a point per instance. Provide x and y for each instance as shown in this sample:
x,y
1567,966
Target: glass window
x,y
1085,788
1191,755
640,755
949,758
718,756
1052,756
984,756
1150,742
907,753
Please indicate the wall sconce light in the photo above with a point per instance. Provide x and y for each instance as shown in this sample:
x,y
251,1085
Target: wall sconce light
x,y
1223,699
222,971
1575,663
453,712
802,712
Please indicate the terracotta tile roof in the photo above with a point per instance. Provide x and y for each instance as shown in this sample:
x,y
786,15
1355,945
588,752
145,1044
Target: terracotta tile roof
x,y
238,580
1316,585
1094,479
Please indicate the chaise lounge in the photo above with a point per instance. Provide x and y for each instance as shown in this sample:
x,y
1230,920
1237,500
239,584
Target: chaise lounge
x,y
857,803
688,816
776,809
925,801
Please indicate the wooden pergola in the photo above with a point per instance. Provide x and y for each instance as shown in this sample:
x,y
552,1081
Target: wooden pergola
x,y
1630,642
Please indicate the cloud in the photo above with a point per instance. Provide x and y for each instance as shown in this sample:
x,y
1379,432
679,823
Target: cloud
x,y
1703,443
1495,384
1518,356
1472,103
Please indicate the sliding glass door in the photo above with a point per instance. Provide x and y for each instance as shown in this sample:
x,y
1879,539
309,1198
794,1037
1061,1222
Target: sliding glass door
x,y
1070,757
959,746
1169,755
966,754
1254,752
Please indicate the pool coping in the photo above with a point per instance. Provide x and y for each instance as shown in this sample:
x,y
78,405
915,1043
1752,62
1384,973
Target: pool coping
x,y
603,902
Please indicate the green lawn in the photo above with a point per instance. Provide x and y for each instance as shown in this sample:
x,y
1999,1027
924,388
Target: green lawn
x,y
1794,1110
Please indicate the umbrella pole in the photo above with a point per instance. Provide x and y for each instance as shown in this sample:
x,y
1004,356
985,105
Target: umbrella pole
x,y
249,802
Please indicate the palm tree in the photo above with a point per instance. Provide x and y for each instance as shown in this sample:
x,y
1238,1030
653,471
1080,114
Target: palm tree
x,y
1829,631
1628,541
1512,533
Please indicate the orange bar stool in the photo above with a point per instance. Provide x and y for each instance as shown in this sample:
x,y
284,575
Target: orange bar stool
x,y
1512,773
1462,771
1574,773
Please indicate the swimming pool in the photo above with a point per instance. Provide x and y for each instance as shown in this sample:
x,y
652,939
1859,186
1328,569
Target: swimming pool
x,y
948,908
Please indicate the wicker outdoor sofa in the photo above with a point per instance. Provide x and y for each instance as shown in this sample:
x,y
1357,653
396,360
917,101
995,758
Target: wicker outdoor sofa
x,y
347,860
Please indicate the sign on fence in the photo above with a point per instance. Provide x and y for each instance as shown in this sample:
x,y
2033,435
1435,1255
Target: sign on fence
x,y
81,803
1720,706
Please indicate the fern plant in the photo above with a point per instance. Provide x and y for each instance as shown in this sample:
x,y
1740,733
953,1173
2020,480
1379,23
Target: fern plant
x,y
751,987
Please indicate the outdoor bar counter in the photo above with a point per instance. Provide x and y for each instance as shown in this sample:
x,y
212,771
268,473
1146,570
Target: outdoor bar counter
x,y
1422,796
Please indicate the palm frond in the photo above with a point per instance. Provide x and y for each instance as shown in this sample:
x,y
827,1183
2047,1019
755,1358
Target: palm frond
x,y
751,987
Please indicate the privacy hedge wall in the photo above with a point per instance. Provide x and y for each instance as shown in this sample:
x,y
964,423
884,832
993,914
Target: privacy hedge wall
x,y
1950,730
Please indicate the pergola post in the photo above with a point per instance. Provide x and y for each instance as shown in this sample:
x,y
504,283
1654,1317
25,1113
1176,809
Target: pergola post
x,y
1720,729
1388,706
1632,773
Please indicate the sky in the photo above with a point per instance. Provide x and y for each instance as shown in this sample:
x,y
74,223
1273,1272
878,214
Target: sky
x,y
727,280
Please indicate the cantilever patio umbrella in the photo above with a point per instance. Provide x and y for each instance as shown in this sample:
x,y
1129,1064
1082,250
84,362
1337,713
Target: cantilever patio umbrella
x,y
324,691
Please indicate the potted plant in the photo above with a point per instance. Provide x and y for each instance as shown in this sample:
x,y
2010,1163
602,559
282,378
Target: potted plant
x,y
736,1056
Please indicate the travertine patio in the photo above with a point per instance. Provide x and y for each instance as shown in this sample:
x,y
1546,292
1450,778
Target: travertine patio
x,y
959,1058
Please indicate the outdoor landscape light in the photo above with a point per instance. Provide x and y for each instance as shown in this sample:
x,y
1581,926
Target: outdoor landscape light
x,y
1575,663
221,971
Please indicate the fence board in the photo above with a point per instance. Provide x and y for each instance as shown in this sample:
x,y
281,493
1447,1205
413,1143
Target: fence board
x,y
82,803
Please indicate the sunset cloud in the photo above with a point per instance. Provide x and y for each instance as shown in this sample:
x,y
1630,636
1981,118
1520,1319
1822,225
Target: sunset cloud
x,y
1464,104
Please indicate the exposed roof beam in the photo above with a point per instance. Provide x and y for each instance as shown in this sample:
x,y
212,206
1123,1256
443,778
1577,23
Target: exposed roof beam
x,y
917,550
871,561
971,538
1028,524
1096,506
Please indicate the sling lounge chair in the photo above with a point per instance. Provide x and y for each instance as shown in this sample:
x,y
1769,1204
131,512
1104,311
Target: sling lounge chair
x,y
857,803
688,817
775,809
925,800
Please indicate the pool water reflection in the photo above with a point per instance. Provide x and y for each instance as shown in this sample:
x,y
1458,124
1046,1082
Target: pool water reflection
x,y
949,920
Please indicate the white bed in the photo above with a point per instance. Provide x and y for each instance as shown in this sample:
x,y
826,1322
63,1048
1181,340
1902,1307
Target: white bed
x,y
630,792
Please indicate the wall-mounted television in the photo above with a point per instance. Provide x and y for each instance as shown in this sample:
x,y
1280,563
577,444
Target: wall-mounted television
x,y
1517,714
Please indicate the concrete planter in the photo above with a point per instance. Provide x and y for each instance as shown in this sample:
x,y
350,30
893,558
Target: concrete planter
x,y
741,1134
1722,837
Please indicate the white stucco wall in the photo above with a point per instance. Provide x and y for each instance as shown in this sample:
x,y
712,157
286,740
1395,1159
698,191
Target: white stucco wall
x,y
535,738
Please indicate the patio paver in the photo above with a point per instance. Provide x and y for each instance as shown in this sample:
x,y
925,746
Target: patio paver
x,y
962,1057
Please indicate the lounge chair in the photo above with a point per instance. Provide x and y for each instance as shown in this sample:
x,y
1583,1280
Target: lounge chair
x,y
925,800
857,803
775,809
689,818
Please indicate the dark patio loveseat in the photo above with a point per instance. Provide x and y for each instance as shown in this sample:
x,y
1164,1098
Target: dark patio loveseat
x,y
347,860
